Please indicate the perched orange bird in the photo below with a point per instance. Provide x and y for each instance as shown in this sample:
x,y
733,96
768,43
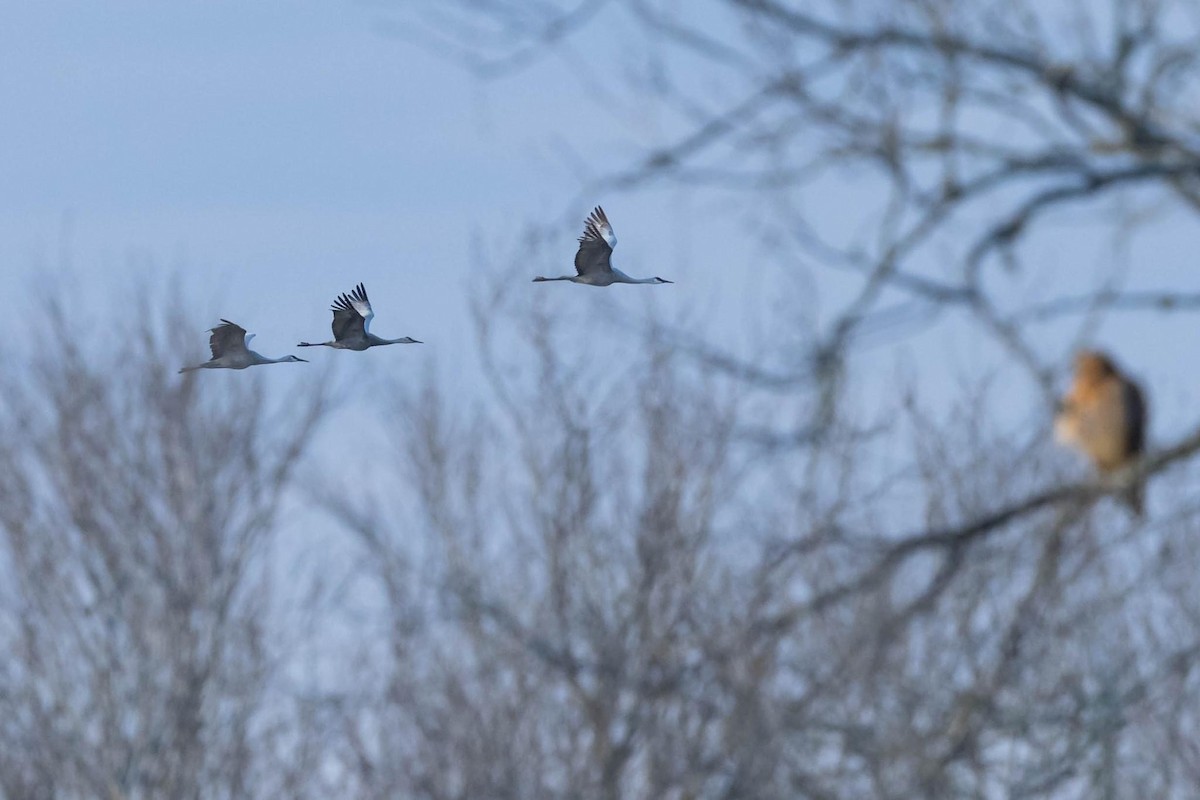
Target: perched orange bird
x,y
1104,416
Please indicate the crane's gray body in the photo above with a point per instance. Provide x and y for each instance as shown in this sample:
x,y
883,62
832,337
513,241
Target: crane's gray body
x,y
229,351
352,315
593,260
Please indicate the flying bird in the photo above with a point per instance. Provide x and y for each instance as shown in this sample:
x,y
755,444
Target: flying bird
x,y
1104,416
352,317
229,351
593,262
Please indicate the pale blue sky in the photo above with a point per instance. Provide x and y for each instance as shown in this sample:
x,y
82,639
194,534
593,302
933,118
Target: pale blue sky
x,y
278,153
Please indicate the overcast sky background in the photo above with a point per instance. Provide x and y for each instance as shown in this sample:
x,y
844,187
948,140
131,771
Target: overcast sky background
x,y
275,154
278,154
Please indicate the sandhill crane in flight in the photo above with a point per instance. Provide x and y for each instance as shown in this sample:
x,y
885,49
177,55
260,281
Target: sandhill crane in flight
x,y
352,317
593,262
1104,416
229,351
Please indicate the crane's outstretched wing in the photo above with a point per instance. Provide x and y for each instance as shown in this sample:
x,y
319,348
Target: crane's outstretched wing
x,y
228,337
352,314
596,244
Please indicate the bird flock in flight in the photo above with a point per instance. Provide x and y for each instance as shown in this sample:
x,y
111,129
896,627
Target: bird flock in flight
x,y
352,313
1103,415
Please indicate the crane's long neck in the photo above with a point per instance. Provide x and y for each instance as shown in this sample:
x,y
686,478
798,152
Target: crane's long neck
x,y
540,279
621,277
375,341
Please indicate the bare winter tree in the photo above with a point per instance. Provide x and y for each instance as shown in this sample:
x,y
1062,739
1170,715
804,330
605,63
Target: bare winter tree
x,y
565,625
684,602
135,509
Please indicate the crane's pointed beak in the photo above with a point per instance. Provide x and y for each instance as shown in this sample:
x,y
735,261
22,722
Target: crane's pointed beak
x,y
298,358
